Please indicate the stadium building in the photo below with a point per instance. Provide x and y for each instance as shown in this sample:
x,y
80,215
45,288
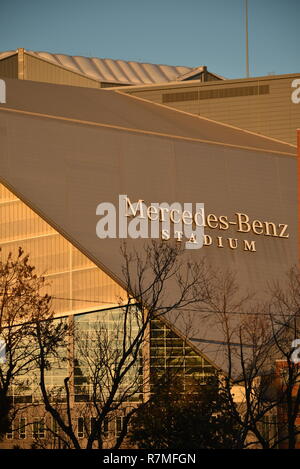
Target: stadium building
x,y
66,149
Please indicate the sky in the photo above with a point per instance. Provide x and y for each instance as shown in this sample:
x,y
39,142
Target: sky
x,y
174,32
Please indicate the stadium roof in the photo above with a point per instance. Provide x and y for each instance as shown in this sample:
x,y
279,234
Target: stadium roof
x,y
122,111
117,71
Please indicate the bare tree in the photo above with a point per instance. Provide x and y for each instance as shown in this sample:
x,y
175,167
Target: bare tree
x,y
105,361
112,356
22,305
284,312
261,378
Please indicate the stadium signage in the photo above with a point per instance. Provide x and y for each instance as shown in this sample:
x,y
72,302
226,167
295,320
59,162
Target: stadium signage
x,y
2,92
295,97
183,223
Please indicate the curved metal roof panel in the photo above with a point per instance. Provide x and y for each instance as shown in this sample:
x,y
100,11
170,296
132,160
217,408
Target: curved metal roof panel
x,y
116,70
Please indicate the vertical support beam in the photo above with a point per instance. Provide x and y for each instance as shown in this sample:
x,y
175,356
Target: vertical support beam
x,y
146,363
71,324
21,64
71,277
71,356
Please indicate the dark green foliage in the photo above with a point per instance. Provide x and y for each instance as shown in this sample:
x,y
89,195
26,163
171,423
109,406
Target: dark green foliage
x,y
195,419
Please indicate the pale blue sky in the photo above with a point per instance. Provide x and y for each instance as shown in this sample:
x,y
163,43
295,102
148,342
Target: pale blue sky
x,y
187,32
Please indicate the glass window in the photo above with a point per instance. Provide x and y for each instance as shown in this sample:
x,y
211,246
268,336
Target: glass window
x,y
105,427
10,432
80,427
38,428
119,426
22,428
54,427
93,424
